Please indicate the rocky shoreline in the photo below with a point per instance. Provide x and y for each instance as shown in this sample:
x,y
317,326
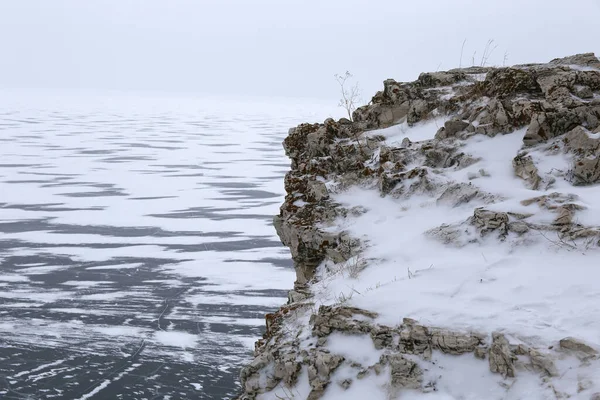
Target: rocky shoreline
x,y
556,105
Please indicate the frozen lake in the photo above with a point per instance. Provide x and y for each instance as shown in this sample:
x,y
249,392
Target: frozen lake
x,y
137,256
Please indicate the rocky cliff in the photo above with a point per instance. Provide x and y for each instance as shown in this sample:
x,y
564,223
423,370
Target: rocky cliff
x,y
444,243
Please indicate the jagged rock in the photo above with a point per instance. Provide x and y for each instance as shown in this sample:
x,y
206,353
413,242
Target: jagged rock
x,y
462,193
488,221
500,358
250,376
518,227
551,201
542,362
454,343
320,367
383,337
393,183
585,171
391,154
415,339
345,384
565,216
584,92
405,374
480,352
525,169
503,82
580,141
329,319
287,369
575,345
583,59
451,128
445,78
448,234
493,119
548,125
418,110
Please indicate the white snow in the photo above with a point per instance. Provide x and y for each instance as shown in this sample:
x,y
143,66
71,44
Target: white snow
x,y
537,293
175,339
358,348
540,291
418,132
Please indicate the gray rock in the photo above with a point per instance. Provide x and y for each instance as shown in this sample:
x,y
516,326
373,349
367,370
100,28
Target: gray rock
x,y
518,227
489,221
548,125
454,343
580,141
584,92
451,128
585,171
383,337
405,374
542,362
415,339
525,169
500,358
448,234
462,193
341,318
321,365
345,384
573,344
287,369
480,353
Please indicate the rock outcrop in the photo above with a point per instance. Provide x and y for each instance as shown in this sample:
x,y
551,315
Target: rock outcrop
x,y
557,107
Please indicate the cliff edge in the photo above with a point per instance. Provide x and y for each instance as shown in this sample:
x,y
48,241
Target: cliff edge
x,y
445,243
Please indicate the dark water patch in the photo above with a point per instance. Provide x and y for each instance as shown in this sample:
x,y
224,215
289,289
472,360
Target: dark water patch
x,y
279,262
215,215
131,373
104,193
126,159
250,194
147,146
56,175
37,181
185,175
231,185
222,145
8,165
237,245
179,166
152,198
44,224
97,152
49,207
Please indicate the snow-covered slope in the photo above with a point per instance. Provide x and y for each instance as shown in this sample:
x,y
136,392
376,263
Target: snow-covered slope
x,y
445,243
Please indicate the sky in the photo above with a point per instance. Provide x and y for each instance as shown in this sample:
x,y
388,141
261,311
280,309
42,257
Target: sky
x,y
279,48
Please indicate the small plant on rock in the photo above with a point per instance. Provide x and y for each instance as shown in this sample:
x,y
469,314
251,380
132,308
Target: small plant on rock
x,y
350,94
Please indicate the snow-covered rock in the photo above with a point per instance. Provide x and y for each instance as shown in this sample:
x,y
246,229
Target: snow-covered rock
x,y
445,243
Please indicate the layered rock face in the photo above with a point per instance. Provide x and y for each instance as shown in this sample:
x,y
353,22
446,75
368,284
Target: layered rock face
x,y
554,107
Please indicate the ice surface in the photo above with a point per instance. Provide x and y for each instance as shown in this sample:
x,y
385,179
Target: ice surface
x,y
128,220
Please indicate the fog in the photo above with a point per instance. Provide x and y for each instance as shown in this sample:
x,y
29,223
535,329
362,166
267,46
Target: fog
x,y
286,48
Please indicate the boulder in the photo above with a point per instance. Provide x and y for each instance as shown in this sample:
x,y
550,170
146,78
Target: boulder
x,y
500,357
525,169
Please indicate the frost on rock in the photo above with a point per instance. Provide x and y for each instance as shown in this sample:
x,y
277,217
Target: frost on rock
x,y
464,165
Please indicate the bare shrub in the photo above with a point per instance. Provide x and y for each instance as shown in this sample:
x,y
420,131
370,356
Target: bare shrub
x,y
350,93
